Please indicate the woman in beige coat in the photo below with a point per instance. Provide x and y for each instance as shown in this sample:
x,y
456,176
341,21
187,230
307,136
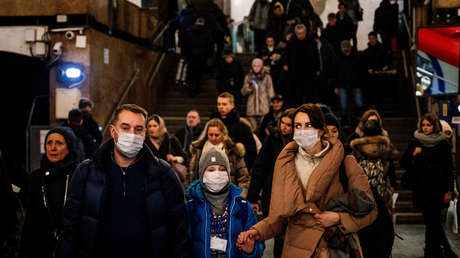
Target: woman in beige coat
x,y
258,87
306,178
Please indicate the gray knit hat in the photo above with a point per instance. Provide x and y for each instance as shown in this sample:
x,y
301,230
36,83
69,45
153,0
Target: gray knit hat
x,y
213,156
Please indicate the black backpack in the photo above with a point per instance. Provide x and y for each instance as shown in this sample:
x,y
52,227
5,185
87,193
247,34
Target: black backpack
x,y
376,239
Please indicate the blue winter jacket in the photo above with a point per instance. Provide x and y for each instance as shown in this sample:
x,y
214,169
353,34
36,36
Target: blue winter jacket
x,y
241,218
84,208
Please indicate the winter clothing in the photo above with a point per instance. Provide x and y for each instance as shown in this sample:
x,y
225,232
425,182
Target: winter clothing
x,y
386,22
8,217
262,176
216,200
294,205
89,143
258,15
169,145
345,26
303,62
92,127
235,152
270,122
334,35
240,218
86,207
430,175
229,78
259,89
239,132
46,192
327,67
188,135
375,57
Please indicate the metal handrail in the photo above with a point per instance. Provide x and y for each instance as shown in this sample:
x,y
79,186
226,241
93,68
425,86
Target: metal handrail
x,y
156,70
160,34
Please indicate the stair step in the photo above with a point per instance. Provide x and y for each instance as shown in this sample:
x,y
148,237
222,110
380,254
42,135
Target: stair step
x,y
409,218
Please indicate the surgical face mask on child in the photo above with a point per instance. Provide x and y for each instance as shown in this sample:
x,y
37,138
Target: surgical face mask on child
x,y
307,139
129,144
215,181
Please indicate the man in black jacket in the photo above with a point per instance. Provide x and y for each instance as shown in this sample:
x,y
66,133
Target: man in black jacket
x,y
302,64
230,76
237,130
86,106
191,130
125,202
75,122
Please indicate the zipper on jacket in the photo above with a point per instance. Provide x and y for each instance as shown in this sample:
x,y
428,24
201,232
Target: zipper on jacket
x,y
123,180
206,231
229,244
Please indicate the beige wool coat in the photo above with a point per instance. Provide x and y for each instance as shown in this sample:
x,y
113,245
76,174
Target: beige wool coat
x,y
293,205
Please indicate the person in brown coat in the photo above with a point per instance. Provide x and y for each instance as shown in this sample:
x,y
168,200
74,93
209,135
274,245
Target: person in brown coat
x,y
215,134
306,178
258,87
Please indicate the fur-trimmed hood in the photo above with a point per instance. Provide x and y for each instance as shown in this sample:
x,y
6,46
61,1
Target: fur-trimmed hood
x,y
372,146
237,148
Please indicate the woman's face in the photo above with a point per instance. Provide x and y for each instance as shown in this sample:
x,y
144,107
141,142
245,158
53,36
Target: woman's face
x,y
333,134
256,67
302,122
373,117
215,135
56,147
286,126
153,129
427,127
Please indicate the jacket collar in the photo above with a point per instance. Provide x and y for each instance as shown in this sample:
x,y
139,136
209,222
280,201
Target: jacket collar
x,y
322,175
233,117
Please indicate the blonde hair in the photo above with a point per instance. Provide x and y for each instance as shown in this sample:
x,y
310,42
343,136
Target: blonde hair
x,y
215,122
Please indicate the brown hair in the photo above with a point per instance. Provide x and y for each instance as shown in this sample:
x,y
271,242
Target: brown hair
x,y
227,95
315,114
433,119
161,124
128,107
365,117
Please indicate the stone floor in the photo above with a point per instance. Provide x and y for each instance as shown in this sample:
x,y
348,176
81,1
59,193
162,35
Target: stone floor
x,y
410,247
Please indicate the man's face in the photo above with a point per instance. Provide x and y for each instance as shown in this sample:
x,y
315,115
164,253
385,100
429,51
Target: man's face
x,y
332,21
277,105
224,106
193,119
128,122
301,34
342,9
270,42
372,40
228,59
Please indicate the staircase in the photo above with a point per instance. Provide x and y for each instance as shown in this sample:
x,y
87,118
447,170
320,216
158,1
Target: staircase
x,y
174,103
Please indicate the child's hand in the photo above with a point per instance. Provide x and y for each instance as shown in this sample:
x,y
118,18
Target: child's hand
x,y
246,243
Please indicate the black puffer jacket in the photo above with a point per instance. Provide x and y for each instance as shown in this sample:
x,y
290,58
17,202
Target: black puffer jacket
x,y
164,205
239,132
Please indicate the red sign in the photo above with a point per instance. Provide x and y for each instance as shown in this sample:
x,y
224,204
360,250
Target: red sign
x,y
442,43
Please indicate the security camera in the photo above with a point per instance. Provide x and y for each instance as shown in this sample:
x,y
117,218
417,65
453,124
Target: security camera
x,y
57,48
69,35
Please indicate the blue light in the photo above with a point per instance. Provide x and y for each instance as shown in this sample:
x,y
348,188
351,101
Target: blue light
x,y
458,108
72,72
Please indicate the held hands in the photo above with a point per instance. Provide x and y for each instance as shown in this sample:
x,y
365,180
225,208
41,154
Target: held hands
x,y
327,218
246,240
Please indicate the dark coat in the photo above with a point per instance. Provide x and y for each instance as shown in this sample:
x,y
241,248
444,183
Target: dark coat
x,y
239,132
213,15
92,127
334,35
169,145
87,139
328,67
375,57
268,122
41,223
345,25
347,71
229,77
262,176
197,42
430,173
164,207
8,218
187,135
386,19
302,60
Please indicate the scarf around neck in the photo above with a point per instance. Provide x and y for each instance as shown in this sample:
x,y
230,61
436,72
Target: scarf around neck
x,y
430,140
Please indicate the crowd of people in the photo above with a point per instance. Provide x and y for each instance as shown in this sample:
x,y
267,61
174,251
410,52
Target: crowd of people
x,y
220,189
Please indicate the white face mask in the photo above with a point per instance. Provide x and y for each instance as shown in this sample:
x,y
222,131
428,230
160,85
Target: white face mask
x,y
129,144
216,180
307,139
